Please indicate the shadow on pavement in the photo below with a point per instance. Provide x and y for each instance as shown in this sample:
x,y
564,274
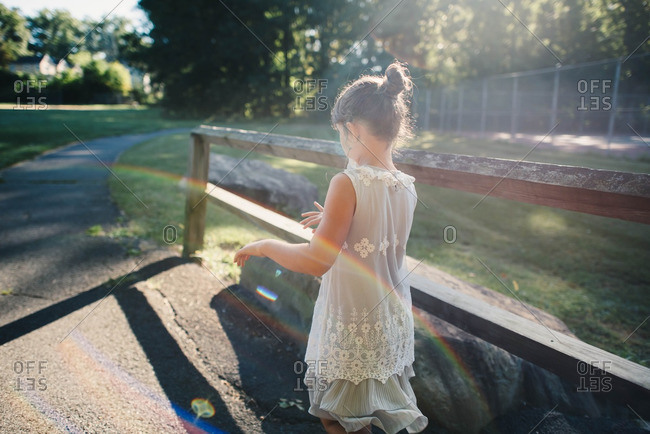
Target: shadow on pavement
x,y
271,365
176,374
45,316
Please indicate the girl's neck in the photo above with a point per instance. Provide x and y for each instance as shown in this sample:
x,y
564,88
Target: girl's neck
x,y
372,160
366,149
373,153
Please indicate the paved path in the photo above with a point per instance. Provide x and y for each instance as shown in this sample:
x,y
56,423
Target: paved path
x,y
95,340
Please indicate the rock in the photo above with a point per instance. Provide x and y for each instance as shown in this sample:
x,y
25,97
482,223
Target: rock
x,y
296,294
461,382
551,422
286,192
459,379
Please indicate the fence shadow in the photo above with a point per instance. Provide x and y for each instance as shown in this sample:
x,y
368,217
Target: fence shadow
x,y
47,315
176,374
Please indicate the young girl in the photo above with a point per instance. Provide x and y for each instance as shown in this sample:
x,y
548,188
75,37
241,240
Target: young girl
x,y
360,350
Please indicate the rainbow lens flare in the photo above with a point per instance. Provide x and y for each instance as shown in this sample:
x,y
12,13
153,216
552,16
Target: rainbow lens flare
x,y
202,407
267,293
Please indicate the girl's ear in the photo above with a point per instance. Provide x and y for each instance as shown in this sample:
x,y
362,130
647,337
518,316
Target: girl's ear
x,y
352,128
344,129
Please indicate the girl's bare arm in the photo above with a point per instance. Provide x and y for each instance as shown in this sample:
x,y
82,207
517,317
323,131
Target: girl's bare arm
x,y
316,257
312,218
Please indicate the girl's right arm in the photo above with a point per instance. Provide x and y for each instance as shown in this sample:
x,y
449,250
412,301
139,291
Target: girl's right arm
x,y
317,256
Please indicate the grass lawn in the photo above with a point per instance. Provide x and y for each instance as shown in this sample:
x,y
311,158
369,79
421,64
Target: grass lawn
x,y
589,271
27,133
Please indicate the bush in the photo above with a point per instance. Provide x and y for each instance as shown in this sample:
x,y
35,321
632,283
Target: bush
x,y
7,80
100,82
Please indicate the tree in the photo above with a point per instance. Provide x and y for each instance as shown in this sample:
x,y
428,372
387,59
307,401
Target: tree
x,y
113,36
56,33
459,39
242,58
14,36
131,48
634,15
118,78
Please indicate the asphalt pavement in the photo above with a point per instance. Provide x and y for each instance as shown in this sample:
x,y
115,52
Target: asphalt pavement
x,y
96,339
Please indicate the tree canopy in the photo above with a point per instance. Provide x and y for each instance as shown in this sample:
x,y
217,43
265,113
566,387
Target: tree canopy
x,y
54,32
456,40
244,56
14,36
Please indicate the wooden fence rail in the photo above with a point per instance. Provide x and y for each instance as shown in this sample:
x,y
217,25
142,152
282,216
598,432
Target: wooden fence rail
x,y
607,193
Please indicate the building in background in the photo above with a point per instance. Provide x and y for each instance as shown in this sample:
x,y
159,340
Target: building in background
x,y
39,65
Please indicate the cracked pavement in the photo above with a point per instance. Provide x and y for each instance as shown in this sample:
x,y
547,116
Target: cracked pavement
x,y
79,353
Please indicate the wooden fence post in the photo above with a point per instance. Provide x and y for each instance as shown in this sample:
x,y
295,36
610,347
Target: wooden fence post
x,y
556,90
459,115
515,107
484,98
614,107
195,201
427,110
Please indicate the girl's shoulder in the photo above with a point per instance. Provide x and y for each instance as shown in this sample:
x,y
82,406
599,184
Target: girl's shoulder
x,y
369,174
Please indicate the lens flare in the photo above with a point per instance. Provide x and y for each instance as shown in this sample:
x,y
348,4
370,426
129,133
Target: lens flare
x,y
202,407
267,293
295,291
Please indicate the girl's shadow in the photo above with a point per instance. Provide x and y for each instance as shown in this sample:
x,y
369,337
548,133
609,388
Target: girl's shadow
x,y
177,376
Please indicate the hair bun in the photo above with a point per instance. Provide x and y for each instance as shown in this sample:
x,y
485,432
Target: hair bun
x,y
396,80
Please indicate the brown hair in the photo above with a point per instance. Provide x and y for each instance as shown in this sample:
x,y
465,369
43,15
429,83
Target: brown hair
x,y
380,101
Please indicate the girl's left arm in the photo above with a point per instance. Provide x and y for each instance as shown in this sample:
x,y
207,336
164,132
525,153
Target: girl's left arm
x,y
317,256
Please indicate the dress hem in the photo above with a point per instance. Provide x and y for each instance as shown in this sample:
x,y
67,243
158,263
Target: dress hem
x,y
392,408
383,379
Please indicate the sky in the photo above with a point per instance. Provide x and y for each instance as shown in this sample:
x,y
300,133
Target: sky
x,y
95,9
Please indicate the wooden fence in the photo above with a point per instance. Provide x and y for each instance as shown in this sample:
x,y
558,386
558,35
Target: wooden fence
x,y
601,192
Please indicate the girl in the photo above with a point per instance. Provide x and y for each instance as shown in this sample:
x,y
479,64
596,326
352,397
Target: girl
x,y
360,350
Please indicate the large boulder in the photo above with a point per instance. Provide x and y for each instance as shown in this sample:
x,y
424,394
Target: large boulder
x,y
283,191
462,383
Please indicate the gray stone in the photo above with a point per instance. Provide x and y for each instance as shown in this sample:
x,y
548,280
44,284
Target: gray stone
x,y
283,191
463,382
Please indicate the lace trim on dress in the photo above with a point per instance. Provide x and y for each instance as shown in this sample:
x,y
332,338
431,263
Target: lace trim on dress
x,y
364,346
364,247
391,178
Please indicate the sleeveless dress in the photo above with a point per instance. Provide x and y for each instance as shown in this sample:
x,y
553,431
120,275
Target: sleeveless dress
x,y
360,349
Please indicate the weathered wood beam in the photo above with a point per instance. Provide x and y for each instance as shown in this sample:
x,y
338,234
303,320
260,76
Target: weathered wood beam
x,y
316,151
588,367
606,193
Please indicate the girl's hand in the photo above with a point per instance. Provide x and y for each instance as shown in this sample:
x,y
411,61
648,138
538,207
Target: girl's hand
x,y
244,254
312,217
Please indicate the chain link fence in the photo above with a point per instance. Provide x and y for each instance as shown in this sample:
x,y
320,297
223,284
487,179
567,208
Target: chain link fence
x,y
604,98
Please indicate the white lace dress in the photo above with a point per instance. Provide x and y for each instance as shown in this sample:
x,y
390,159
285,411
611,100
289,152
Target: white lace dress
x,y
360,350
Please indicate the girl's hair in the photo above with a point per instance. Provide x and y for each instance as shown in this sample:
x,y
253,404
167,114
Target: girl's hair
x,y
381,101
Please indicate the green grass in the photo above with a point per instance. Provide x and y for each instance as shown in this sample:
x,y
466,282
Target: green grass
x,y
152,170
27,133
449,144
589,271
